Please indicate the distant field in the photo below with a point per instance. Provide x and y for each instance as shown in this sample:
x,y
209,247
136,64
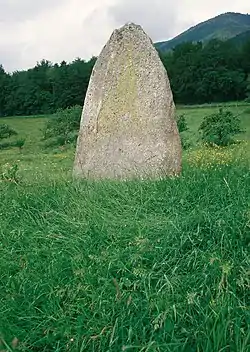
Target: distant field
x,y
195,115
150,266
36,162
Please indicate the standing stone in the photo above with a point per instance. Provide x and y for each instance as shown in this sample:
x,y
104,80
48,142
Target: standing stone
x,y
128,127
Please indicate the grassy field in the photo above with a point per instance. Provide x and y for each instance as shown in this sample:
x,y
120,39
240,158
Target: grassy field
x,y
39,164
131,266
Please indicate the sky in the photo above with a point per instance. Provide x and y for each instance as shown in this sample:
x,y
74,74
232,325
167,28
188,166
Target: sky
x,y
57,30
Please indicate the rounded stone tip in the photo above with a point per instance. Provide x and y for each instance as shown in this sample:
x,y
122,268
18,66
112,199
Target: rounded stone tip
x,y
129,26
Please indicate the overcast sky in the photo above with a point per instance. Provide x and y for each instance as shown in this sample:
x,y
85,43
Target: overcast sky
x,y
56,30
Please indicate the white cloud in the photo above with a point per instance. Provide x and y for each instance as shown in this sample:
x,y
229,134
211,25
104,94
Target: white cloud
x,y
163,19
19,10
65,29
158,19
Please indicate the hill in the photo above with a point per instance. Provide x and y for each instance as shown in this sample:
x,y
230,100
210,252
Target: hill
x,y
240,38
224,26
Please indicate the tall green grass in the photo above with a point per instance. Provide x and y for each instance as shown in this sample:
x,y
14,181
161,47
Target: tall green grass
x,y
133,266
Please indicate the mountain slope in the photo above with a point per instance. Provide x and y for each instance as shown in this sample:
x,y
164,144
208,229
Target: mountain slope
x,y
241,38
225,26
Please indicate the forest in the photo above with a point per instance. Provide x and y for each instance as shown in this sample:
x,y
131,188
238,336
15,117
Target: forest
x,y
217,71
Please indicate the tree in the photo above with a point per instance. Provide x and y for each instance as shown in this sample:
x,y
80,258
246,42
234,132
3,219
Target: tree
x,y
45,88
215,71
3,90
205,73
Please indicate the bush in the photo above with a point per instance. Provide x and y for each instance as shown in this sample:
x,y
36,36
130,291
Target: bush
x,y
185,142
219,128
19,143
5,145
183,127
62,128
6,131
182,123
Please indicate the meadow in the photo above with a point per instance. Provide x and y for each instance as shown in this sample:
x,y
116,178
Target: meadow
x,y
125,266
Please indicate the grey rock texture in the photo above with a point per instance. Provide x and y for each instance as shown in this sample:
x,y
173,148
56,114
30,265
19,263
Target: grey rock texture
x,y
128,127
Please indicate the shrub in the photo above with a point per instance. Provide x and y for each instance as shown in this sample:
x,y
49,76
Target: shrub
x,y
219,128
5,145
182,123
185,142
19,143
6,131
63,125
183,127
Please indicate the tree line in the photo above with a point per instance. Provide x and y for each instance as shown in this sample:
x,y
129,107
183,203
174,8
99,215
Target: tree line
x,y
45,88
218,71
199,73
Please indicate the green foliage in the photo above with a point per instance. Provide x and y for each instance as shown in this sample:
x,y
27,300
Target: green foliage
x,y
219,128
185,142
248,87
213,71
44,88
6,131
183,127
5,145
241,38
19,143
182,123
63,126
